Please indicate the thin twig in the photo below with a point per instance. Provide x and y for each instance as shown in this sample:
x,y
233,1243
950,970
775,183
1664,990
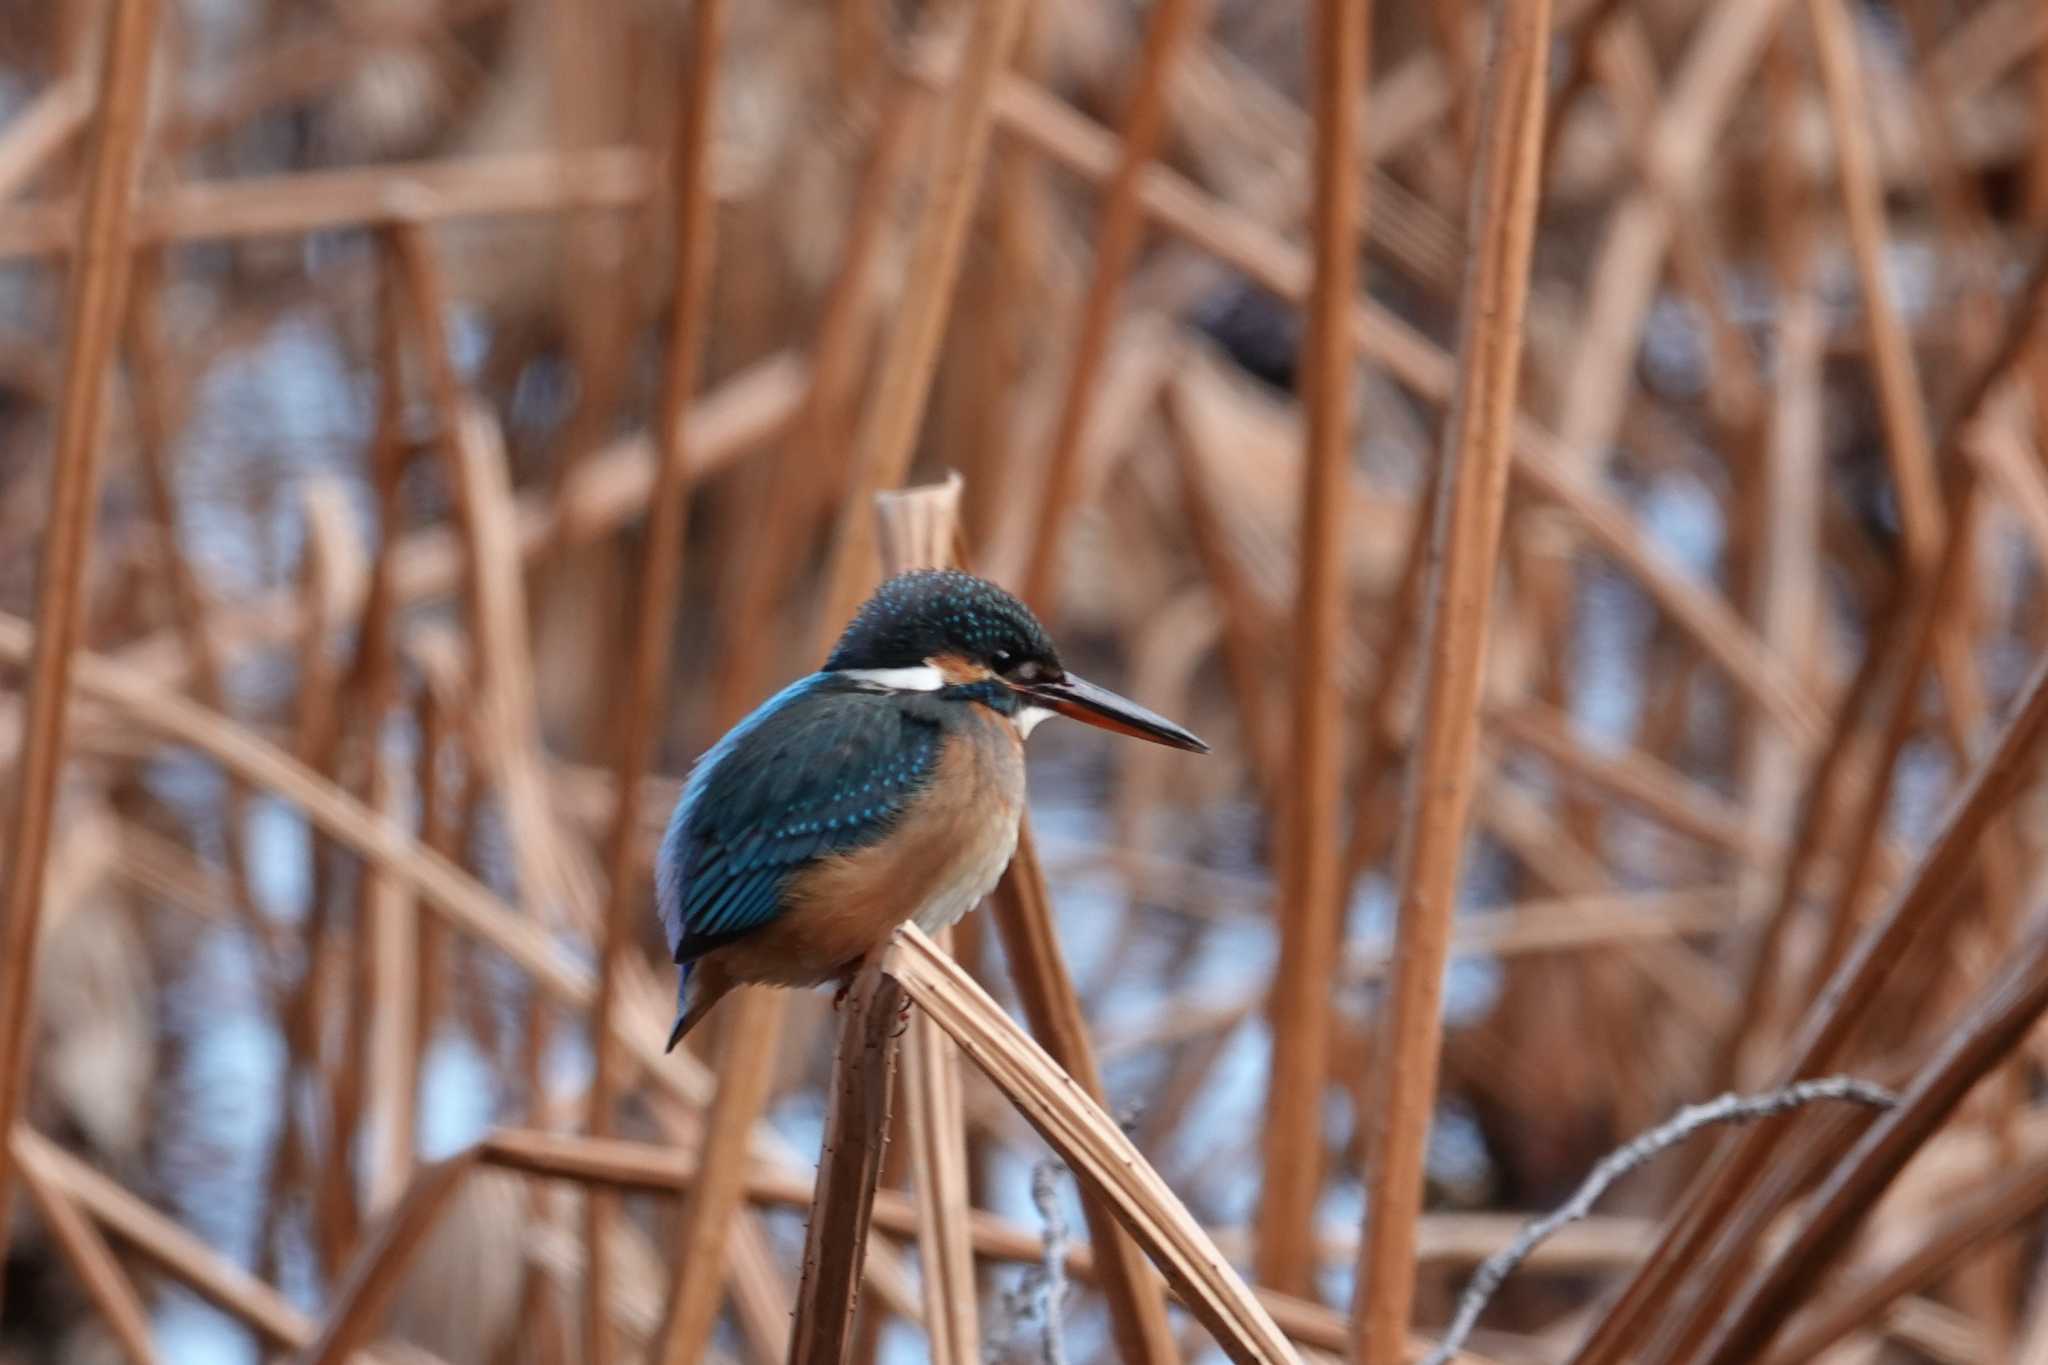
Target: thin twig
x,y
1730,1108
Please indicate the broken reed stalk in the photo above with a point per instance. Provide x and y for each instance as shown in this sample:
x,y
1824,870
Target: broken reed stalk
x,y
1118,233
1093,1146
850,1166
1487,1280
1473,494
919,528
1309,911
656,600
94,311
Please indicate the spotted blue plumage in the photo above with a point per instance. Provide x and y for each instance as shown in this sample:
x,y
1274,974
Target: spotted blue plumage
x,y
825,766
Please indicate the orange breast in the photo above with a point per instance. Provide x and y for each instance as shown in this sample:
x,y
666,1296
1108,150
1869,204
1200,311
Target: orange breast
x,y
945,854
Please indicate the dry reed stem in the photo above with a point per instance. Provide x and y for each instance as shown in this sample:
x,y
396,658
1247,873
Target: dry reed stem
x,y
1467,535
38,134
94,309
1092,1145
2006,1010
520,184
387,929
1636,779
1118,233
1309,914
91,1259
383,1261
856,1132
887,436
655,598
1023,914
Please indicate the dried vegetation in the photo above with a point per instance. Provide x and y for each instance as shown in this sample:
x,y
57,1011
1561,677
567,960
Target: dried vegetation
x,y
1585,464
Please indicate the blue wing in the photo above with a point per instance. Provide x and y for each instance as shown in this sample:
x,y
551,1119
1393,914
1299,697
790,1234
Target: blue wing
x,y
822,767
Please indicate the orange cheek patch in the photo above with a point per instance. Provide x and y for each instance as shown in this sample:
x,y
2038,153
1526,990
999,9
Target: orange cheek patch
x,y
956,670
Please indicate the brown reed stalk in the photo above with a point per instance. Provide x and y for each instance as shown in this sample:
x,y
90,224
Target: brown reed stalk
x,y
382,1263
39,134
856,1132
1118,232
97,287
655,598
1632,778
295,203
1474,489
1309,914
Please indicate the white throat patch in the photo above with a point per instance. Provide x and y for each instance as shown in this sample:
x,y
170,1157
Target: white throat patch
x,y
922,678
1026,720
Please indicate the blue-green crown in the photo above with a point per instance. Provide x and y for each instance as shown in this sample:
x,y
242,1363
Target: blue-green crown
x,y
927,612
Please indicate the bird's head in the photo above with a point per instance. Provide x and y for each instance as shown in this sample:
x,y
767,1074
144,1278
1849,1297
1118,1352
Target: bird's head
x,y
931,629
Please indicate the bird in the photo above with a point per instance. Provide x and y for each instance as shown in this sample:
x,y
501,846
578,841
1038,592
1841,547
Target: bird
x,y
886,788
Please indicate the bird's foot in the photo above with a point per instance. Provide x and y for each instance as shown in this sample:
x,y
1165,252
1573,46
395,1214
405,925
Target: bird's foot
x,y
839,996
902,1021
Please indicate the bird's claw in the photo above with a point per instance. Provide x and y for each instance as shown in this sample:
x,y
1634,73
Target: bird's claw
x,y
902,1021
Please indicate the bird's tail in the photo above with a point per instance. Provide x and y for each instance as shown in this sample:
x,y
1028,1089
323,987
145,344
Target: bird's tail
x,y
692,1004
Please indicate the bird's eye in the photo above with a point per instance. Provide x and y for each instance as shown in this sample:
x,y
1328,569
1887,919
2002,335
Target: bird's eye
x,y
1002,659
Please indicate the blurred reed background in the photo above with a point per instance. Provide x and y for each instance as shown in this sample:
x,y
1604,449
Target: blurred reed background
x,y
426,424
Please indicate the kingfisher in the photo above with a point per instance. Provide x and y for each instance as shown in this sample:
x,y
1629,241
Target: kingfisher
x,y
885,788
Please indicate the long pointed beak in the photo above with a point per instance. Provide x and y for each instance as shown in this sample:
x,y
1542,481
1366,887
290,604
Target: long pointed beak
x,y
1098,706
